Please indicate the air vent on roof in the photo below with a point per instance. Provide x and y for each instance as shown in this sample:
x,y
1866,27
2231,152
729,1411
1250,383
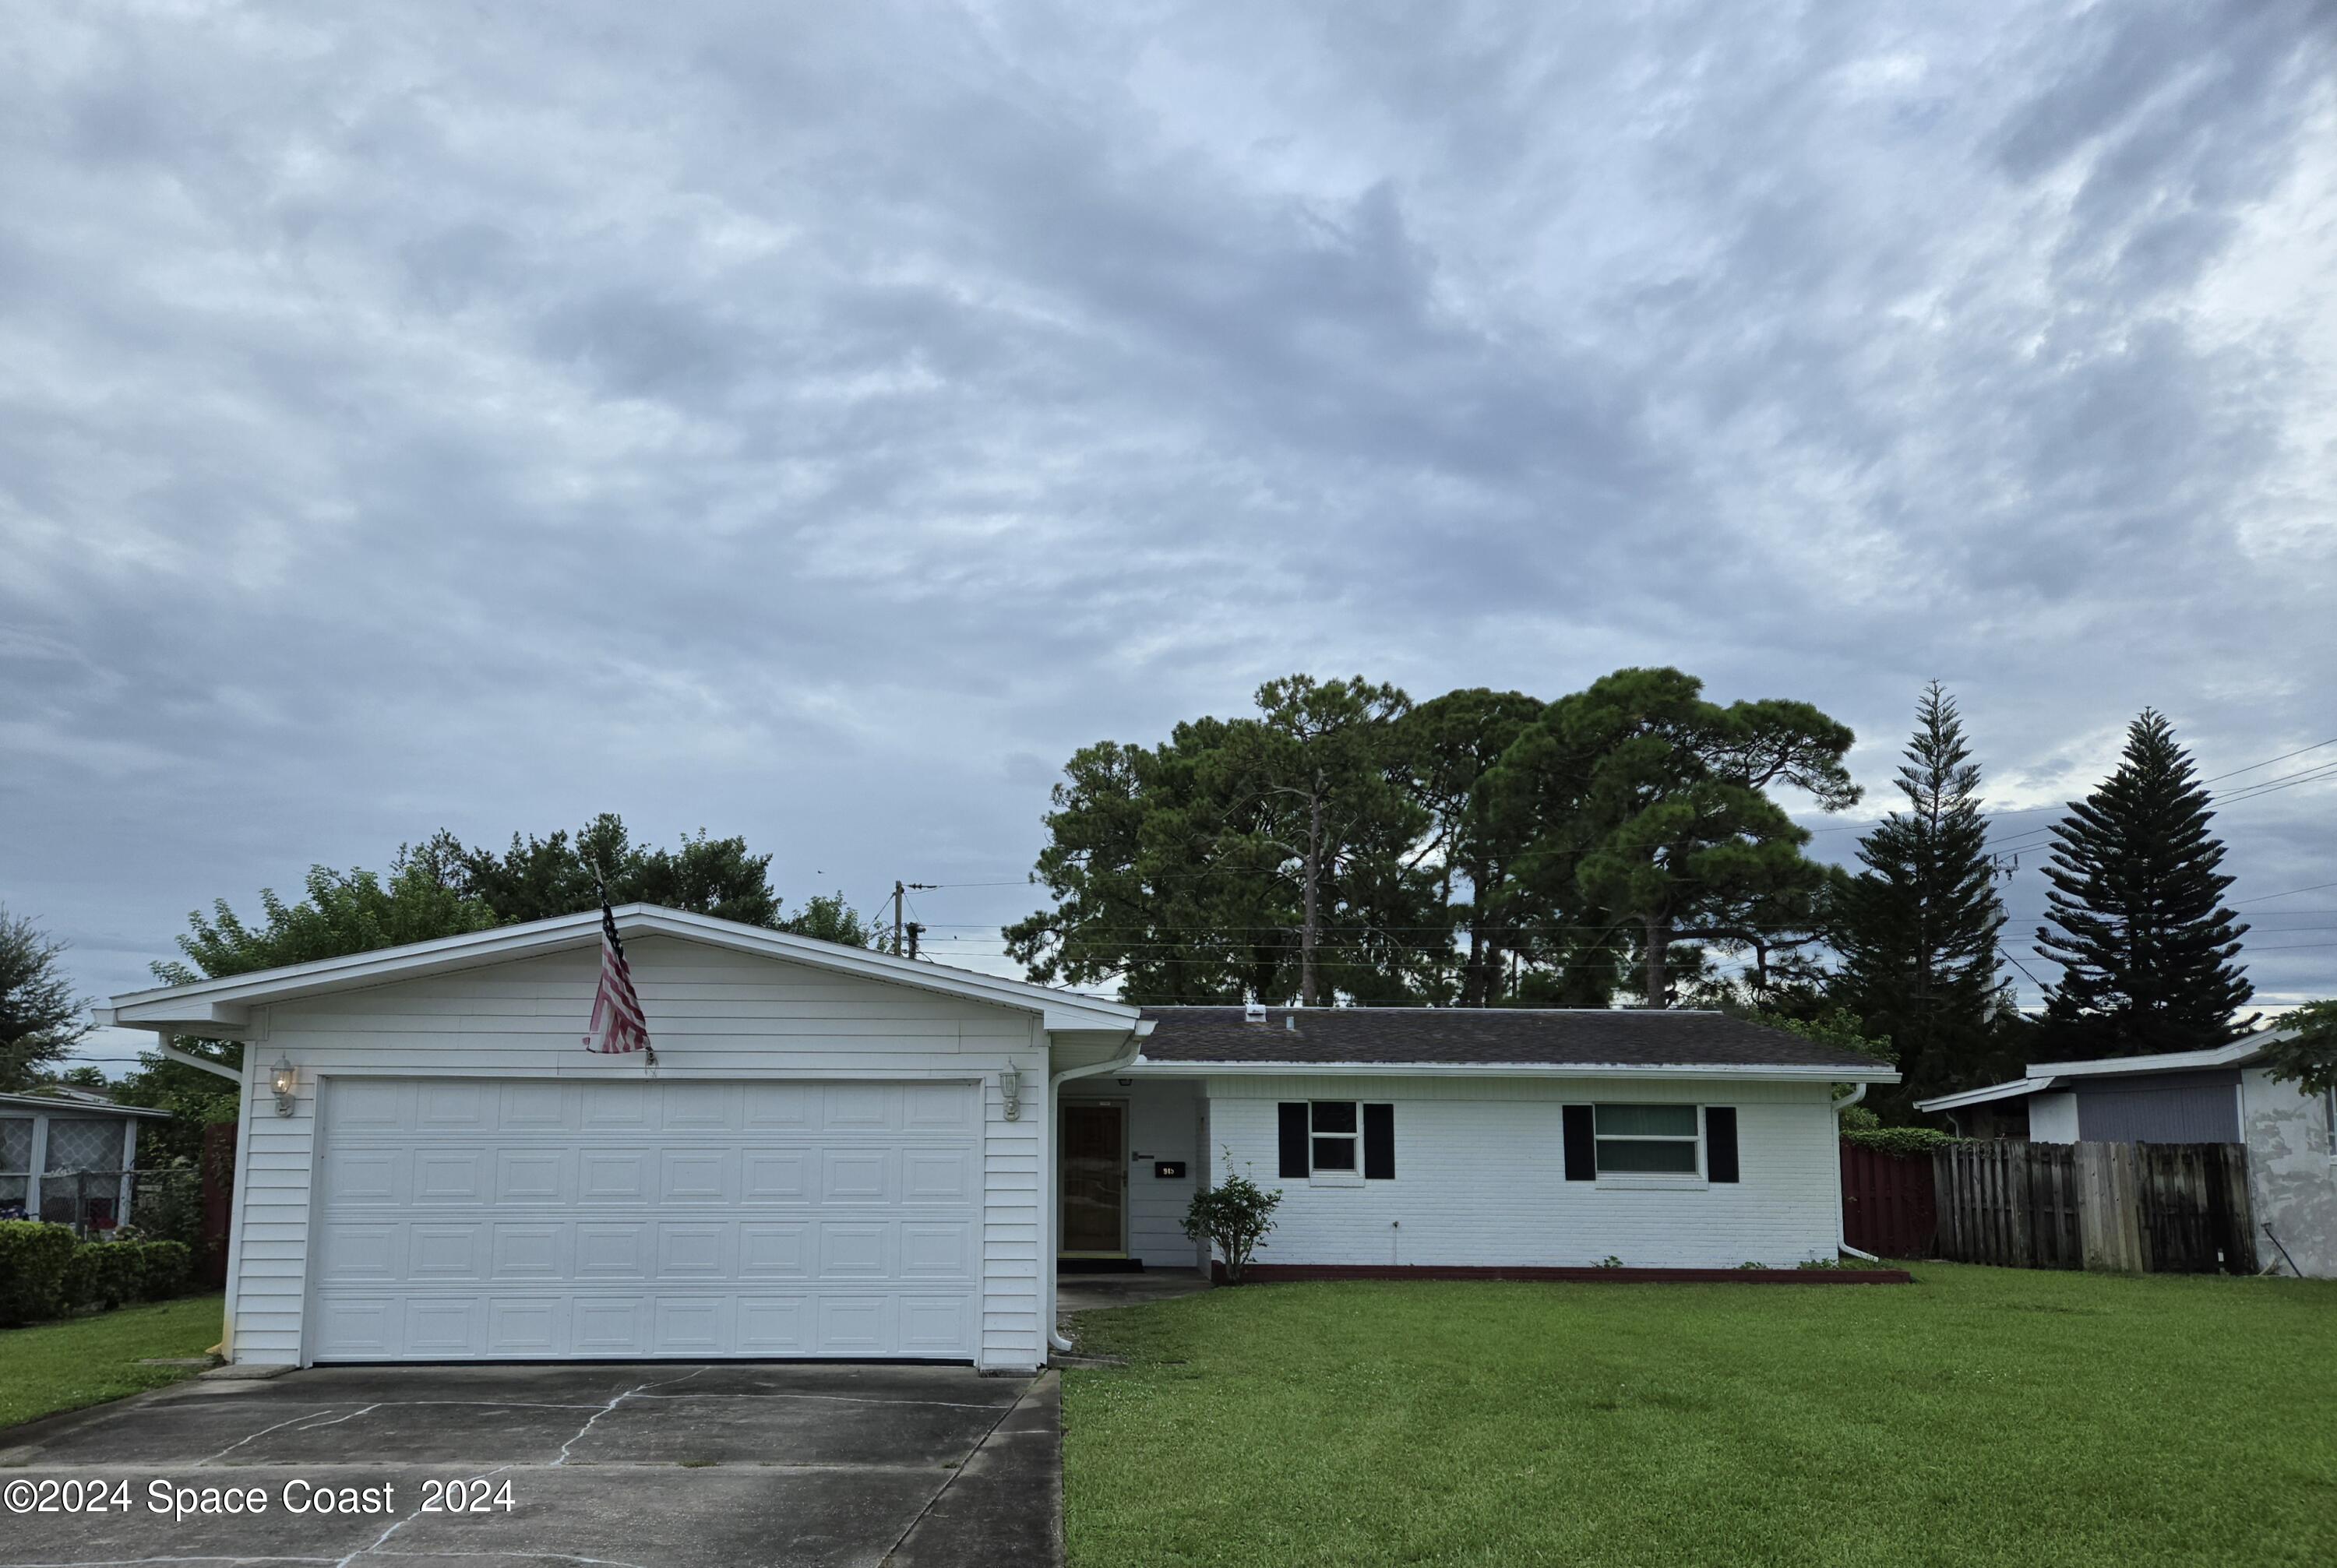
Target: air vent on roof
x,y
1253,1013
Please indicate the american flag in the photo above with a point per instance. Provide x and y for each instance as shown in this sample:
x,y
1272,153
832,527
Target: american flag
x,y
617,1026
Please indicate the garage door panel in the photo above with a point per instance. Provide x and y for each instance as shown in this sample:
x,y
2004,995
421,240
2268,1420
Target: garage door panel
x,y
774,1175
937,1176
609,1325
453,1252
528,1250
613,1249
534,1108
446,1175
856,1176
526,1325
697,1175
532,1175
548,1220
606,1176
774,1326
775,1249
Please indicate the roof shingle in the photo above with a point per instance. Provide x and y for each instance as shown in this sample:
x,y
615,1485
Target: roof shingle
x,y
1483,1036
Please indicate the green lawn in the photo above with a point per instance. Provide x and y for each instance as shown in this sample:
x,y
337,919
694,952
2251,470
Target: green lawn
x,y
1979,1416
54,1367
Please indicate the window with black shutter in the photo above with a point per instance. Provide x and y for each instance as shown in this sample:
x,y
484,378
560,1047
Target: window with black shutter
x,y
1293,1128
1720,1142
1582,1154
1379,1142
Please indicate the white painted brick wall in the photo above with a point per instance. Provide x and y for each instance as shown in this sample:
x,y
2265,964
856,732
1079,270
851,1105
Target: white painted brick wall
x,y
1481,1178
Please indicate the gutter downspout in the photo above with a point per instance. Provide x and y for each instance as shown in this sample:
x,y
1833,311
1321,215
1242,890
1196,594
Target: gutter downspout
x,y
1053,1185
1841,1106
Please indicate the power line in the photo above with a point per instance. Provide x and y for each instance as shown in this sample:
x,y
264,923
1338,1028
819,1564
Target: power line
x,y
2268,898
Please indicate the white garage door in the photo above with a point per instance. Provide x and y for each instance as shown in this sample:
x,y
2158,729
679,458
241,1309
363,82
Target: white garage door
x,y
484,1219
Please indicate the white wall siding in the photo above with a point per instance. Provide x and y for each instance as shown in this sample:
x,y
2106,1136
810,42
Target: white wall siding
x,y
713,1014
1480,1177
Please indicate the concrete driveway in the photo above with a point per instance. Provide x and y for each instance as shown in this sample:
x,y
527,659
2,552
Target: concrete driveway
x,y
655,1466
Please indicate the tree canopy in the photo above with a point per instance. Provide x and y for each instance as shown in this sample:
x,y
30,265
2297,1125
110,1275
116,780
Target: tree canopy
x,y
1919,925
2135,913
41,1017
1346,842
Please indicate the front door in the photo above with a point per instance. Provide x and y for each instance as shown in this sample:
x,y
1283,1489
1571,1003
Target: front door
x,y
1095,1178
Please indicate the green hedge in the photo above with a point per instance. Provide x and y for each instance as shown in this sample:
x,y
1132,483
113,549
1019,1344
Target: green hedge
x,y
45,1272
1903,1141
35,1259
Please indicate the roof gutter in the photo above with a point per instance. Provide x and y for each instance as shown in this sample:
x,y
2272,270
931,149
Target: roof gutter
x,y
1055,1174
1839,1073
1841,1233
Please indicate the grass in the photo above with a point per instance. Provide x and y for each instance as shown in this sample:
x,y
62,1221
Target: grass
x,y
1981,1415
54,1367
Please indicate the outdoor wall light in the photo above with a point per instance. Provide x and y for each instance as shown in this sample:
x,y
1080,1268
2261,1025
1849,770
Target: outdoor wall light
x,y
285,1078
1010,1089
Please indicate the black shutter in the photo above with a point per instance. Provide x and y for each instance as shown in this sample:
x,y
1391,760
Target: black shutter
x,y
1581,1155
1294,1139
1379,1142
1720,1142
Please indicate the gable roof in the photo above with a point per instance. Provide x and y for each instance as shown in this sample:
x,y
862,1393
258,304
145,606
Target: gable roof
x,y
1590,1042
222,1006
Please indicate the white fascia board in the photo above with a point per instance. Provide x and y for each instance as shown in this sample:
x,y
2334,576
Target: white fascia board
x,y
53,1105
2036,1083
1737,1072
172,1005
2232,1055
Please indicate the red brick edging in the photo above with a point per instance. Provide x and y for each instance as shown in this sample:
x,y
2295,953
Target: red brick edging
x,y
1271,1273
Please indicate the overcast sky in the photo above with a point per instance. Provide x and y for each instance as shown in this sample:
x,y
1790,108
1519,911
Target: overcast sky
x,y
815,422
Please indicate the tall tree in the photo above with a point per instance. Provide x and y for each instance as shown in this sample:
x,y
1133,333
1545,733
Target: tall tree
x,y
1919,925
1451,743
1652,821
2135,916
1255,856
41,1018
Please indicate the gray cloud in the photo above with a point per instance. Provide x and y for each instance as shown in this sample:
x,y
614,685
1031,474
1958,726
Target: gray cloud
x,y
816,423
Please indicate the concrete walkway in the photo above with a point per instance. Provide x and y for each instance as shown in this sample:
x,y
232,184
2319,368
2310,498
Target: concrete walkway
x,y
632,1466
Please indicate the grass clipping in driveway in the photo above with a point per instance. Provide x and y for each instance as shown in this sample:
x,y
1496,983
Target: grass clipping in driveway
x,y
1980,1416
54,1366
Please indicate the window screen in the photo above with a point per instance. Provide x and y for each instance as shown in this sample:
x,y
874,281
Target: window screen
x,y
1645,1139
16,1144
85,1145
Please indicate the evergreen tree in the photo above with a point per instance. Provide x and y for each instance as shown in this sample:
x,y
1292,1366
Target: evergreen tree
x,y
1919,925
2138,924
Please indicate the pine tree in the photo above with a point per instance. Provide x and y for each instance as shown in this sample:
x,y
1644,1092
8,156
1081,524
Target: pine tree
x,y
1919,934
2137,922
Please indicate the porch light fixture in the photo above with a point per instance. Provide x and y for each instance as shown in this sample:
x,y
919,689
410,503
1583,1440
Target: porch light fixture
x,y
1010,1089
284,1077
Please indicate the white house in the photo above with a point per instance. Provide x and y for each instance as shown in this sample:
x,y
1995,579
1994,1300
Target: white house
x,y
2220,1095
847,1154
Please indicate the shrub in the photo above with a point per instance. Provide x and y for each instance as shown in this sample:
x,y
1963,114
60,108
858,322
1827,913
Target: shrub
x,y
103,1274
34,1259
1903,1141
163,1268
171,1209
1859,1119
1233,1217
1836,1262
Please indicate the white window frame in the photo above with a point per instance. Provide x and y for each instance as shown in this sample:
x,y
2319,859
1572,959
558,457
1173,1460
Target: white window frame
x,y
1668,1180
1354,1175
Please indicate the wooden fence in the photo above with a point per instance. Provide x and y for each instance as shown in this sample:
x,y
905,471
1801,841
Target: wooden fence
x,y
2135,1208
1888,1206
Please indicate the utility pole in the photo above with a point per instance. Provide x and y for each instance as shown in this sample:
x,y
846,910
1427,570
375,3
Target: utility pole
x,y
915,929
897,886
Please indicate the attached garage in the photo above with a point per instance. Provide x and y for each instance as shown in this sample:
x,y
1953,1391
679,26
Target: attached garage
x,y
510,1219
839,1153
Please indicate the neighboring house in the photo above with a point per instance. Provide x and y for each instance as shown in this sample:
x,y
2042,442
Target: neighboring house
x,y
2218,1096
843,1153
66,1156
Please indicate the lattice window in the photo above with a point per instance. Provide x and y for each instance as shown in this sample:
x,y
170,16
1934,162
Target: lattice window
x,y
85,1145
16,1144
